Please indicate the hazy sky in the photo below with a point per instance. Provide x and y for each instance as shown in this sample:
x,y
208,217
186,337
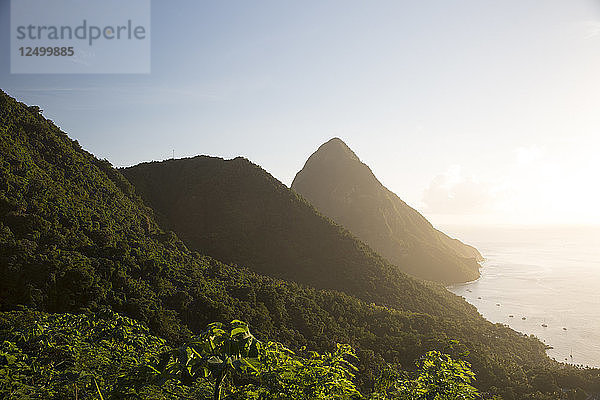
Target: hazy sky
x,y
471,111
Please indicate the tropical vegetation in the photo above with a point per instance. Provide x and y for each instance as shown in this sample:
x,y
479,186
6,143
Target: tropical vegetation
x,y
77,244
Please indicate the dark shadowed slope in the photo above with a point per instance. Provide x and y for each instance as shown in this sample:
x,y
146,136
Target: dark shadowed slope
x,y
235,211
75,237
340,186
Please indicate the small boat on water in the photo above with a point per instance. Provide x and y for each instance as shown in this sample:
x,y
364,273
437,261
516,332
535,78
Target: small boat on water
x,y
564,329
479,297
498,304
524,318
511,316
544,325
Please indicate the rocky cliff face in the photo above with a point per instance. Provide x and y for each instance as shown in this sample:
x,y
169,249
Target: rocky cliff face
x,y
343,188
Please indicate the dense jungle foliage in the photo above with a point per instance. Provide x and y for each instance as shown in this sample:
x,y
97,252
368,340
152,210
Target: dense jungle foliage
x,y
238,213
106,355
74,237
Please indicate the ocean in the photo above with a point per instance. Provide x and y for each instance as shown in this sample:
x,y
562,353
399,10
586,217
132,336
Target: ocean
x,y
543,281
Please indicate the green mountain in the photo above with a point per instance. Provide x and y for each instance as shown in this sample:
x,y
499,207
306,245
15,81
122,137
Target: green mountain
x,y
340,186
236,212
74,237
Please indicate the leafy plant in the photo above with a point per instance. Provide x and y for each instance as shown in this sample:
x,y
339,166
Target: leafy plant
x,y
438,377
218,353
286,375
231,357
58,355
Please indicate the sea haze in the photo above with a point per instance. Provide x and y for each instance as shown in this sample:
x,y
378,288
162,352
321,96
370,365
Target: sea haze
x,y
547,275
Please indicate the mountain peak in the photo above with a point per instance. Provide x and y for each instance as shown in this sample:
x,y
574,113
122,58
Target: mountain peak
x,y
335,141
343,188
335,148
336,160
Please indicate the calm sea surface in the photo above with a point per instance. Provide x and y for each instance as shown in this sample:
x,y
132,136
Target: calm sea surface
x,y
540,276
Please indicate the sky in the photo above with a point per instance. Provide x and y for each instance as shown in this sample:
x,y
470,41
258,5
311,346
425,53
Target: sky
x,y
472,112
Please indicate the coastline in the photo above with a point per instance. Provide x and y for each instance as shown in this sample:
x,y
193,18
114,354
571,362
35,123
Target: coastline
x,y
459,284
541,289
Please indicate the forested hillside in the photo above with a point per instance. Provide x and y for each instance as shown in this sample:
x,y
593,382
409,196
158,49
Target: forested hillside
x,y
74,237
236,212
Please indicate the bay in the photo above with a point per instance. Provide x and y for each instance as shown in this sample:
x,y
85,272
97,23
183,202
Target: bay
x,y
543,281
